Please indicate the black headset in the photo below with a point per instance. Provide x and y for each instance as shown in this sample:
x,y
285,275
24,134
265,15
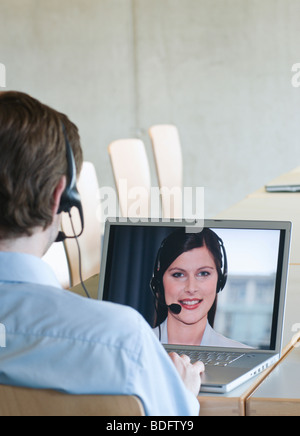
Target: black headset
x,y
224,273
156,284
70,197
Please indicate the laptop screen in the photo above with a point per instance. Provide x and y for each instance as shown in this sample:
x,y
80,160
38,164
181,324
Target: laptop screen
x,y
220,287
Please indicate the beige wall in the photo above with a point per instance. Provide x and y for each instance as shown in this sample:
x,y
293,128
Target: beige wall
x,y
218,69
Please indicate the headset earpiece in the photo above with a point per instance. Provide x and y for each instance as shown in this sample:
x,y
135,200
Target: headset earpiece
x,y
155,286
70,197
155,283
222,280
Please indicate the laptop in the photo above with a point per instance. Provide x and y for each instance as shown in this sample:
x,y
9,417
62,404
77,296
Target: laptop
x,y
223,298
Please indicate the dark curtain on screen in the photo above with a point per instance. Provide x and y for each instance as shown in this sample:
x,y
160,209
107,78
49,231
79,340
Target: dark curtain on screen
x,y
131,258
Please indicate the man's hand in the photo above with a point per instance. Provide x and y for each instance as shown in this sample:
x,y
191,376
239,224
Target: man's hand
x,y
190,373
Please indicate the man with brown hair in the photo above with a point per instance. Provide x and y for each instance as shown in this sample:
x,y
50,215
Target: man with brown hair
x,y
33,165
56,339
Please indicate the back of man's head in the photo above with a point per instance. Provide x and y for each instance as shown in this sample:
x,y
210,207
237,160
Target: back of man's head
x,y
32,162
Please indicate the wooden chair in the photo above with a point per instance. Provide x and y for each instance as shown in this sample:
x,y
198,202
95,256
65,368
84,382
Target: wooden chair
x,y
168,158
90,240
132,177
18,401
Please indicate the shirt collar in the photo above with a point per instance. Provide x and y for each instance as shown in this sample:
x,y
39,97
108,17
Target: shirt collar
x,y
208,335
25,268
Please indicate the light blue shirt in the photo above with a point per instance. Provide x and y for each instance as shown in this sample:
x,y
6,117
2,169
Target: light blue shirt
x,y
58,340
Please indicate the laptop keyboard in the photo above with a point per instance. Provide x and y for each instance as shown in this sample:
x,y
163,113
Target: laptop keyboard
x,y
212,358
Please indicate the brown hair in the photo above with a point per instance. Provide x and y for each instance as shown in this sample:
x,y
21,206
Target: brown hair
x,y
32,162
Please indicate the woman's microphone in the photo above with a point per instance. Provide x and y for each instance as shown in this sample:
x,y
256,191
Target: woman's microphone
x,y
174,308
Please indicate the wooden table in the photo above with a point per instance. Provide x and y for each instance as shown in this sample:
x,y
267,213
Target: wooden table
x,y
279,392
278,207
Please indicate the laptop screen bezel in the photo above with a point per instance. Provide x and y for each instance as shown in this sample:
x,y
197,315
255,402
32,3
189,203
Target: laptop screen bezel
x,y
284,227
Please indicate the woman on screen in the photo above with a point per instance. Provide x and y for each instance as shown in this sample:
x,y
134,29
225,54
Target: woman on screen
x,y
190,271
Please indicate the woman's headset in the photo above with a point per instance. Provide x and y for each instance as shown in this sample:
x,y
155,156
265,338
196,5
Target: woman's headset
x,y
224,271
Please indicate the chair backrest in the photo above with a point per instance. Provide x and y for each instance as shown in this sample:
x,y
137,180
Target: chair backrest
x,y
132,176
19,401
56,258
90,240
168,158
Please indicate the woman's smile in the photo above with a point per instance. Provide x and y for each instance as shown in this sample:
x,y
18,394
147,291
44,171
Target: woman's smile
x,y
190,304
